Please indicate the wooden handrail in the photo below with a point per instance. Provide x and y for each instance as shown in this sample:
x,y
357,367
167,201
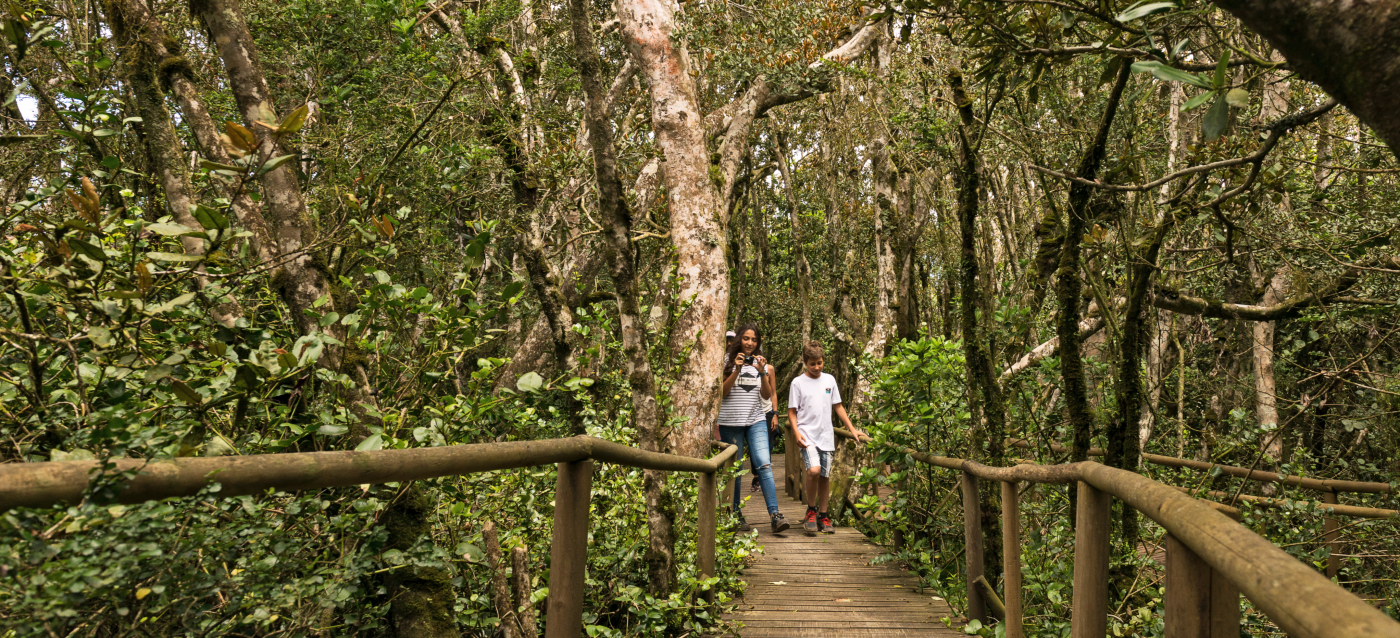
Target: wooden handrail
x,y
1304,603
846,434
1324,507
48,483
43,484
1324,485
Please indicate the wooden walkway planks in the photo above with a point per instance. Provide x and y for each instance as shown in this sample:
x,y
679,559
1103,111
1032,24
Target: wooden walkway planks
x,y
824,585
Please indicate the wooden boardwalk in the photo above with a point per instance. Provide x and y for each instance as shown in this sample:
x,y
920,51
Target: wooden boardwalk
x,y
825,586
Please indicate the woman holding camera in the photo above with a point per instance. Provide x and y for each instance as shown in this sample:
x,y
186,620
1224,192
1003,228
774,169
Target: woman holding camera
x,y
748,387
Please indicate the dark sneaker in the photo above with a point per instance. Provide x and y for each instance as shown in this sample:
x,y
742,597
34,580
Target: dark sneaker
x,y
780,523
743,524
825,525
810,521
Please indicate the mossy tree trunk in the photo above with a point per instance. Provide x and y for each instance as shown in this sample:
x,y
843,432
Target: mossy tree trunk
x,y
984,400
622,262
1068,285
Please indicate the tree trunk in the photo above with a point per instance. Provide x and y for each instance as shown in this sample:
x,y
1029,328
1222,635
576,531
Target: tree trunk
x,y
176,75
1123,450
804,271
1265,394
1156,367
622,260
1068,285
984,399
162,144
697,224
422,598
304,277
1345,48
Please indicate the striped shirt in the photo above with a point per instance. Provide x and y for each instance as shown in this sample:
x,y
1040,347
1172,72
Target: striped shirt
x,y
745,404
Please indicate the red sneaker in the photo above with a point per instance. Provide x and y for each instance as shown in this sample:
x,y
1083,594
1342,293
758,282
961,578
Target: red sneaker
x,y
810,521
825,525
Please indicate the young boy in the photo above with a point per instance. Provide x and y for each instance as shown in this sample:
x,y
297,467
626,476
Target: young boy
x,y
812,399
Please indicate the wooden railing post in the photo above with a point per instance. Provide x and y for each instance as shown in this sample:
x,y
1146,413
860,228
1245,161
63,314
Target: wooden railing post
x,y
1200,602
792,481
972,536
897,536
706,522
1329,531
569,555
1089,617
1011,555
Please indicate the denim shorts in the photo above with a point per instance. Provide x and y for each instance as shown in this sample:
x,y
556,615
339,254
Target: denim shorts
x,y
812,457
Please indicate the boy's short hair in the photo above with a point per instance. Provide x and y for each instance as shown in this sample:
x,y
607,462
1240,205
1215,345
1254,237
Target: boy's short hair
x,y
813,351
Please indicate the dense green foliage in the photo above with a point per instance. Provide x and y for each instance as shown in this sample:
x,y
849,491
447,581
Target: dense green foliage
x,y
450,198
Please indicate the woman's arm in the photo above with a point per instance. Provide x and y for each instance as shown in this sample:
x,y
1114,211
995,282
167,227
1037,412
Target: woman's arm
x,y
733,376
765,387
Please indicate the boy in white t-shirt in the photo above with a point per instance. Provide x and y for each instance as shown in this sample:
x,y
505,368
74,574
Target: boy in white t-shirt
x,y
812,399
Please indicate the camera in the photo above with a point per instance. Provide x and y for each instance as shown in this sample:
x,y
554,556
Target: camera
x,y
748,359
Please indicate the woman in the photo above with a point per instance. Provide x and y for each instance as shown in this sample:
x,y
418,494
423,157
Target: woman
x,y
748,388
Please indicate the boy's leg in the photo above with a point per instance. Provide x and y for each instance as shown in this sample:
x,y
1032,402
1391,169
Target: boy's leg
x,y
824,493
811,458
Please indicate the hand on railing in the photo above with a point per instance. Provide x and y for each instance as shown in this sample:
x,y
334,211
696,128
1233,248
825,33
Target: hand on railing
x,y
859,435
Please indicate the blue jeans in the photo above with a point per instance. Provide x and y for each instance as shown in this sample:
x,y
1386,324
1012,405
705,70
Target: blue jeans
x,y
755,438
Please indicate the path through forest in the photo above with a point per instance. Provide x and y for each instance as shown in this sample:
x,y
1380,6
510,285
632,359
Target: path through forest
x,y
825,585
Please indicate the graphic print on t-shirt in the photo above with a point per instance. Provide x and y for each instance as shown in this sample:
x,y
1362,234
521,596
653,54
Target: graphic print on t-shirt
x,y
747,381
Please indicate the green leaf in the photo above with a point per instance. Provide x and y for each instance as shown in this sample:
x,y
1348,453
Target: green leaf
x,y
218,446
529,382
103,132
471,552
215,166
294,121
1216,119
373,442
210,218
186,393
274,163
1238,98
87,250
1143,10
287,359
1195,102
1221,69
100,337
173,230
512,289
174,257
333,430
1110,70
173,303
329,318
1170,74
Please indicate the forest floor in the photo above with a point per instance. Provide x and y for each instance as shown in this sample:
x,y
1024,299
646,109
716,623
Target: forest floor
x,y
824,585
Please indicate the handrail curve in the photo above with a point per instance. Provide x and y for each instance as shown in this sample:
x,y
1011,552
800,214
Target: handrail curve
x,y
1304,603
1323,485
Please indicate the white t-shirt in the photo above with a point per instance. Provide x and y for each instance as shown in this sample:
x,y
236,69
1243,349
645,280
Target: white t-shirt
x,y
813,399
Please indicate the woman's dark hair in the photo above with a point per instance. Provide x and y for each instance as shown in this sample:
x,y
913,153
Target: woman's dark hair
x,y
738,344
